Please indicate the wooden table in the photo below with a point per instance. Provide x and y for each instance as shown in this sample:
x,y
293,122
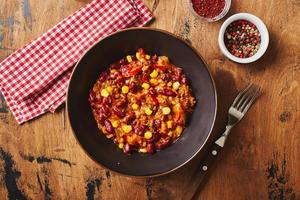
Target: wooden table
x,y
41,159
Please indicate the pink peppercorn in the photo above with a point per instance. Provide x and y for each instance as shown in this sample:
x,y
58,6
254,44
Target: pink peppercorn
x,y
242,38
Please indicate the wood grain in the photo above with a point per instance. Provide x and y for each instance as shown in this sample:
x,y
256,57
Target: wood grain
x,y
41,159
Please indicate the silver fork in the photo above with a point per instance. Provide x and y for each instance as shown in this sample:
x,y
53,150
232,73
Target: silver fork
x,y
236,112
238,109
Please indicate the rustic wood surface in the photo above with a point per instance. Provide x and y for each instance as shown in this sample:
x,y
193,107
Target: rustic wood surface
x,y
42,160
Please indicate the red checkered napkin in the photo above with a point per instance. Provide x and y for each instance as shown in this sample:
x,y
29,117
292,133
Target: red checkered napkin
x,y
34,79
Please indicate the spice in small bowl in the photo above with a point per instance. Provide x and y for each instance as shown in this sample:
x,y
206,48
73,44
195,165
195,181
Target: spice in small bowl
x,y
243,38
209,10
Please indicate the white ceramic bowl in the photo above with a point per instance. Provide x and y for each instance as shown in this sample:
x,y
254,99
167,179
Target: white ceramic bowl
x,y
264,34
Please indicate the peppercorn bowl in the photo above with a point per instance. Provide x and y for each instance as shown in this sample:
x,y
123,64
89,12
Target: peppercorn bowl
x,y
243,46
103,150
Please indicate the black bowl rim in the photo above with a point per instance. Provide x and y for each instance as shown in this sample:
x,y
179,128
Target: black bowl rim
x,y
205,65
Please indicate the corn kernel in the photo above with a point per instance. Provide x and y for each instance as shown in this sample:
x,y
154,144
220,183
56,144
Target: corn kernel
x,y
135,106
153,81
169,84
138,55
109,89
121,145
145,68
146,86
148,135
143,150
104,93
176,85
173,102
144,144
178,130
109,136
121,140
163,127
148,111
129,59
115,124
147,57
113,71
154,74
163,60
166,110
127,128
125,89
169,124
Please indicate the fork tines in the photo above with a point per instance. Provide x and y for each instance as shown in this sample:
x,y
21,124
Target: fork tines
x,y
246,98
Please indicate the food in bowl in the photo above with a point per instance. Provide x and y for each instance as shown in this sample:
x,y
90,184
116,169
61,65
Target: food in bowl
x,y
209,10
242,39
142,102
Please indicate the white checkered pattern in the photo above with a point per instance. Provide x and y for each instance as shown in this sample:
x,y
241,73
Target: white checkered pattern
x,y
34,79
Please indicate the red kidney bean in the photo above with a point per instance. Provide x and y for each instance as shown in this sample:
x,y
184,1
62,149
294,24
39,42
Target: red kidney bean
x,y
121,103
118,112
98,97
114,75
106,100
184,80
138,102
103,76
101,119
166,77
116,141
163,143
134,87
165,118
154,58
150,148
123,61
140,130
128,148
176,78
129,117
124,71
178,74
115,66
178,71
105,111
155,100
108,126
120,81
134,122
157,124
152,92
155,137
145,78
91,96
167,92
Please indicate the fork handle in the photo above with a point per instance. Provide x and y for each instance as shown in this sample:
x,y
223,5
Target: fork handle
x,y
210,157
206,163
214,150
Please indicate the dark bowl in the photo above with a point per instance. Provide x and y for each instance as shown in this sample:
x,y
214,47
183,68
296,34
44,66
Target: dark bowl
x,y
108,51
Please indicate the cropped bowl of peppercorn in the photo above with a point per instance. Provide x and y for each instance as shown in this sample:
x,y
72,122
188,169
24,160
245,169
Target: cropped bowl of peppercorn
x,y
209,10
243,38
